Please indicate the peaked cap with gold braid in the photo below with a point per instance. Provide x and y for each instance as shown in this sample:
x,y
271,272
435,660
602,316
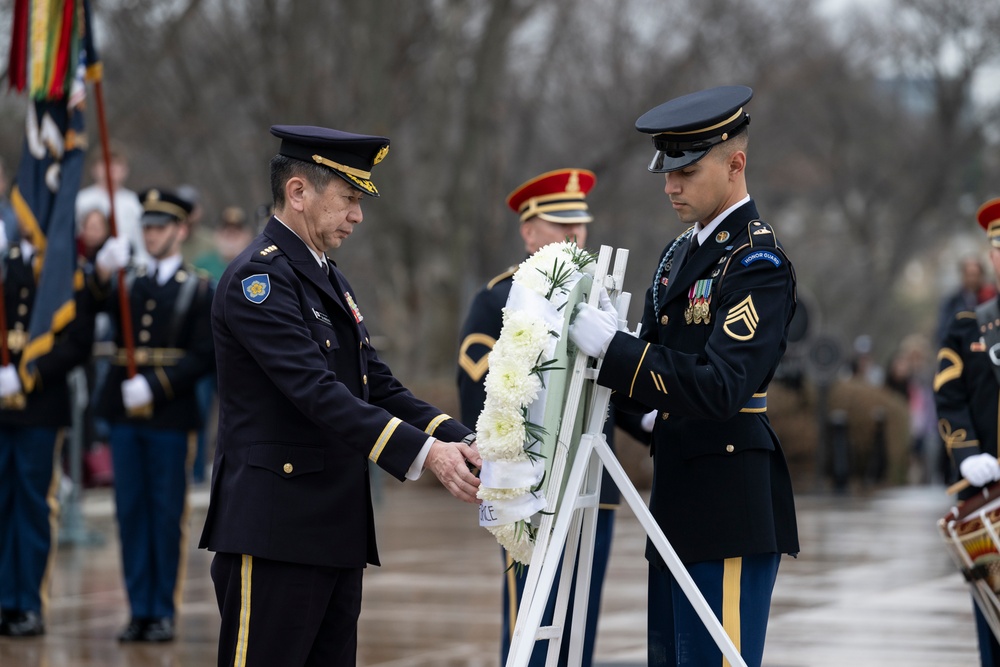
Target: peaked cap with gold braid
x,y
556,196
350,156
988,216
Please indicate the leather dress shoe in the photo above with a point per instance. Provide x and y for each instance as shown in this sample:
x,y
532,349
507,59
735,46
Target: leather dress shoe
x,y
159,630
5,618
26,624
134,630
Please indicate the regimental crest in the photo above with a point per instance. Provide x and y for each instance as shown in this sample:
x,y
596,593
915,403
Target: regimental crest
x,y
741,322
256,287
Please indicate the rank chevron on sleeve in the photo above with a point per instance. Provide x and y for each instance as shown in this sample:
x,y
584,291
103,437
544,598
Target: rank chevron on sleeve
x,y
741,322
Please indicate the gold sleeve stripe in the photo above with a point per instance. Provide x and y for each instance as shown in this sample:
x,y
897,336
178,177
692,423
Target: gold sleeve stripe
x,y
631,389
953,372
243,636
437,421
383,438
164,382
732,571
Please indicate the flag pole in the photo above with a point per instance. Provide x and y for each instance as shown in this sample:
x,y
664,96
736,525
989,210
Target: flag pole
x,y
124,306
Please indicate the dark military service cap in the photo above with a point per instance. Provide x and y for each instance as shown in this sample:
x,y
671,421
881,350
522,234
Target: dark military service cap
x,y
350,156
685,128
556,196
988,216
160,207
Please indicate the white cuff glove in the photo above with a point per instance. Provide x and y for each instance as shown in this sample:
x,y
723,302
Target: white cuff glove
x,y
136,392
10,383
113,255
980,469
592,329
648,421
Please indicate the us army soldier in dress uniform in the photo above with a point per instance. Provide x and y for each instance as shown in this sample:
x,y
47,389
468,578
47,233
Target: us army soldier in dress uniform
x,y
306,405
714,326
154,415
967,395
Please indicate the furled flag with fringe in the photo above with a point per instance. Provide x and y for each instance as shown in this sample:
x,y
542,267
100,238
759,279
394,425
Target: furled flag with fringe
x,y
52,54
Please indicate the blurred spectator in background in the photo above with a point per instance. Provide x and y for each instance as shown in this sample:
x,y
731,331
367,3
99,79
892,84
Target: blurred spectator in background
x,y
128,210
911,375
232,234
92,230
863,365
976,288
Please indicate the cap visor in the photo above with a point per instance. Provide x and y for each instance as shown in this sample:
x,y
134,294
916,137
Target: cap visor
x,y
662,163
157,219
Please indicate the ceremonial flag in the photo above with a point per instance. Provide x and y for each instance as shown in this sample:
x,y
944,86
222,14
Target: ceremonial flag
x,y
51,56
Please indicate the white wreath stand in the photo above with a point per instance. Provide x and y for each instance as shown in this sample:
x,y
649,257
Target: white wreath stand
x,y
573,525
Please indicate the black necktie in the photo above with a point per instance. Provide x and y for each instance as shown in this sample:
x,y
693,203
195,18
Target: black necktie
x,y
692,248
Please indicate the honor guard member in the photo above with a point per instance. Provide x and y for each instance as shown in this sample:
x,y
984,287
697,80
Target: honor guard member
x,y
714,326
154,415
967,393
306,406
552,207
35,409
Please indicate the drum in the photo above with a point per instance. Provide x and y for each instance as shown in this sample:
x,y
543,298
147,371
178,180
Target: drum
x,y
972,534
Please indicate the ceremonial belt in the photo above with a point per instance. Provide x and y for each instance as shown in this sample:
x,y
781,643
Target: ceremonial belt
x,y
756,404
144,356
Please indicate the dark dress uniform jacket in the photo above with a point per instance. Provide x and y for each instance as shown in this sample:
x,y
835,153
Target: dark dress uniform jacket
x,y
48,403
305,404
173,337
966,392
721,486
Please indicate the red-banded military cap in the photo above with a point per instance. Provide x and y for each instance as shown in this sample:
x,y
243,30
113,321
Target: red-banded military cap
x,y
351,156
988,216
687,127
160,207
558,196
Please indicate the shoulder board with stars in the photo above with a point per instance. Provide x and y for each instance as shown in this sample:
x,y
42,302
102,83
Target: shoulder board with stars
x,y
266,254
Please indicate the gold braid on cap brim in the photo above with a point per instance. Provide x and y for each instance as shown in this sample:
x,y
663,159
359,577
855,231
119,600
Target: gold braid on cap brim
x,y
160,206
356,176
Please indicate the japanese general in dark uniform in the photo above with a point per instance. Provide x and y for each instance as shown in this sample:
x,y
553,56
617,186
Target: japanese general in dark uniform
x,y
714,326
154,414
967,395
306,405
34,414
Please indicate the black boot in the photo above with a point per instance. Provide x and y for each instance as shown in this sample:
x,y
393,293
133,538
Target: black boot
x,y
134,630
26,624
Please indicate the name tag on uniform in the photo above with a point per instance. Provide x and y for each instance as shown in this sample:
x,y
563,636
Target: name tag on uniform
x,y
322,317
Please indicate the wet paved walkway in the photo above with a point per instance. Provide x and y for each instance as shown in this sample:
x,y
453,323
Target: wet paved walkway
x,y
873,587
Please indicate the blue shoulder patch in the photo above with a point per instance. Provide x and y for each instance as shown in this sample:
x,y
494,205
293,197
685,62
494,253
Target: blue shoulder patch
x,y
761,254
256,287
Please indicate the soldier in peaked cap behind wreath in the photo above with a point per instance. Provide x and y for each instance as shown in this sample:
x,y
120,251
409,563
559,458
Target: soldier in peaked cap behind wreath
x,y
966,395
154,414
714,326
306,405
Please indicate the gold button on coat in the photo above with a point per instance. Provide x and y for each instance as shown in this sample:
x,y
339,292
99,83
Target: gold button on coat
x,y
328,343
287,468
664,320
666,415
730,449
364,379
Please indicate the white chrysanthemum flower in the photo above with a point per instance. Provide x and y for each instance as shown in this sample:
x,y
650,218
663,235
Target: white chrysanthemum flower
x,y
487,493
524,336
500,433
515,539
533,279
511,381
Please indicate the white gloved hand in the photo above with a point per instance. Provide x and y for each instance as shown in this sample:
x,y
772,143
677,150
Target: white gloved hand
x,y
136,392
3,237
648,420
10,383
592,328
113,255
980,469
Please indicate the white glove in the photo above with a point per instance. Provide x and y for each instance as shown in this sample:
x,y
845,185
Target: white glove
x,y
648,421
3,236
980,469
136,392
593,329
10,383
113,255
